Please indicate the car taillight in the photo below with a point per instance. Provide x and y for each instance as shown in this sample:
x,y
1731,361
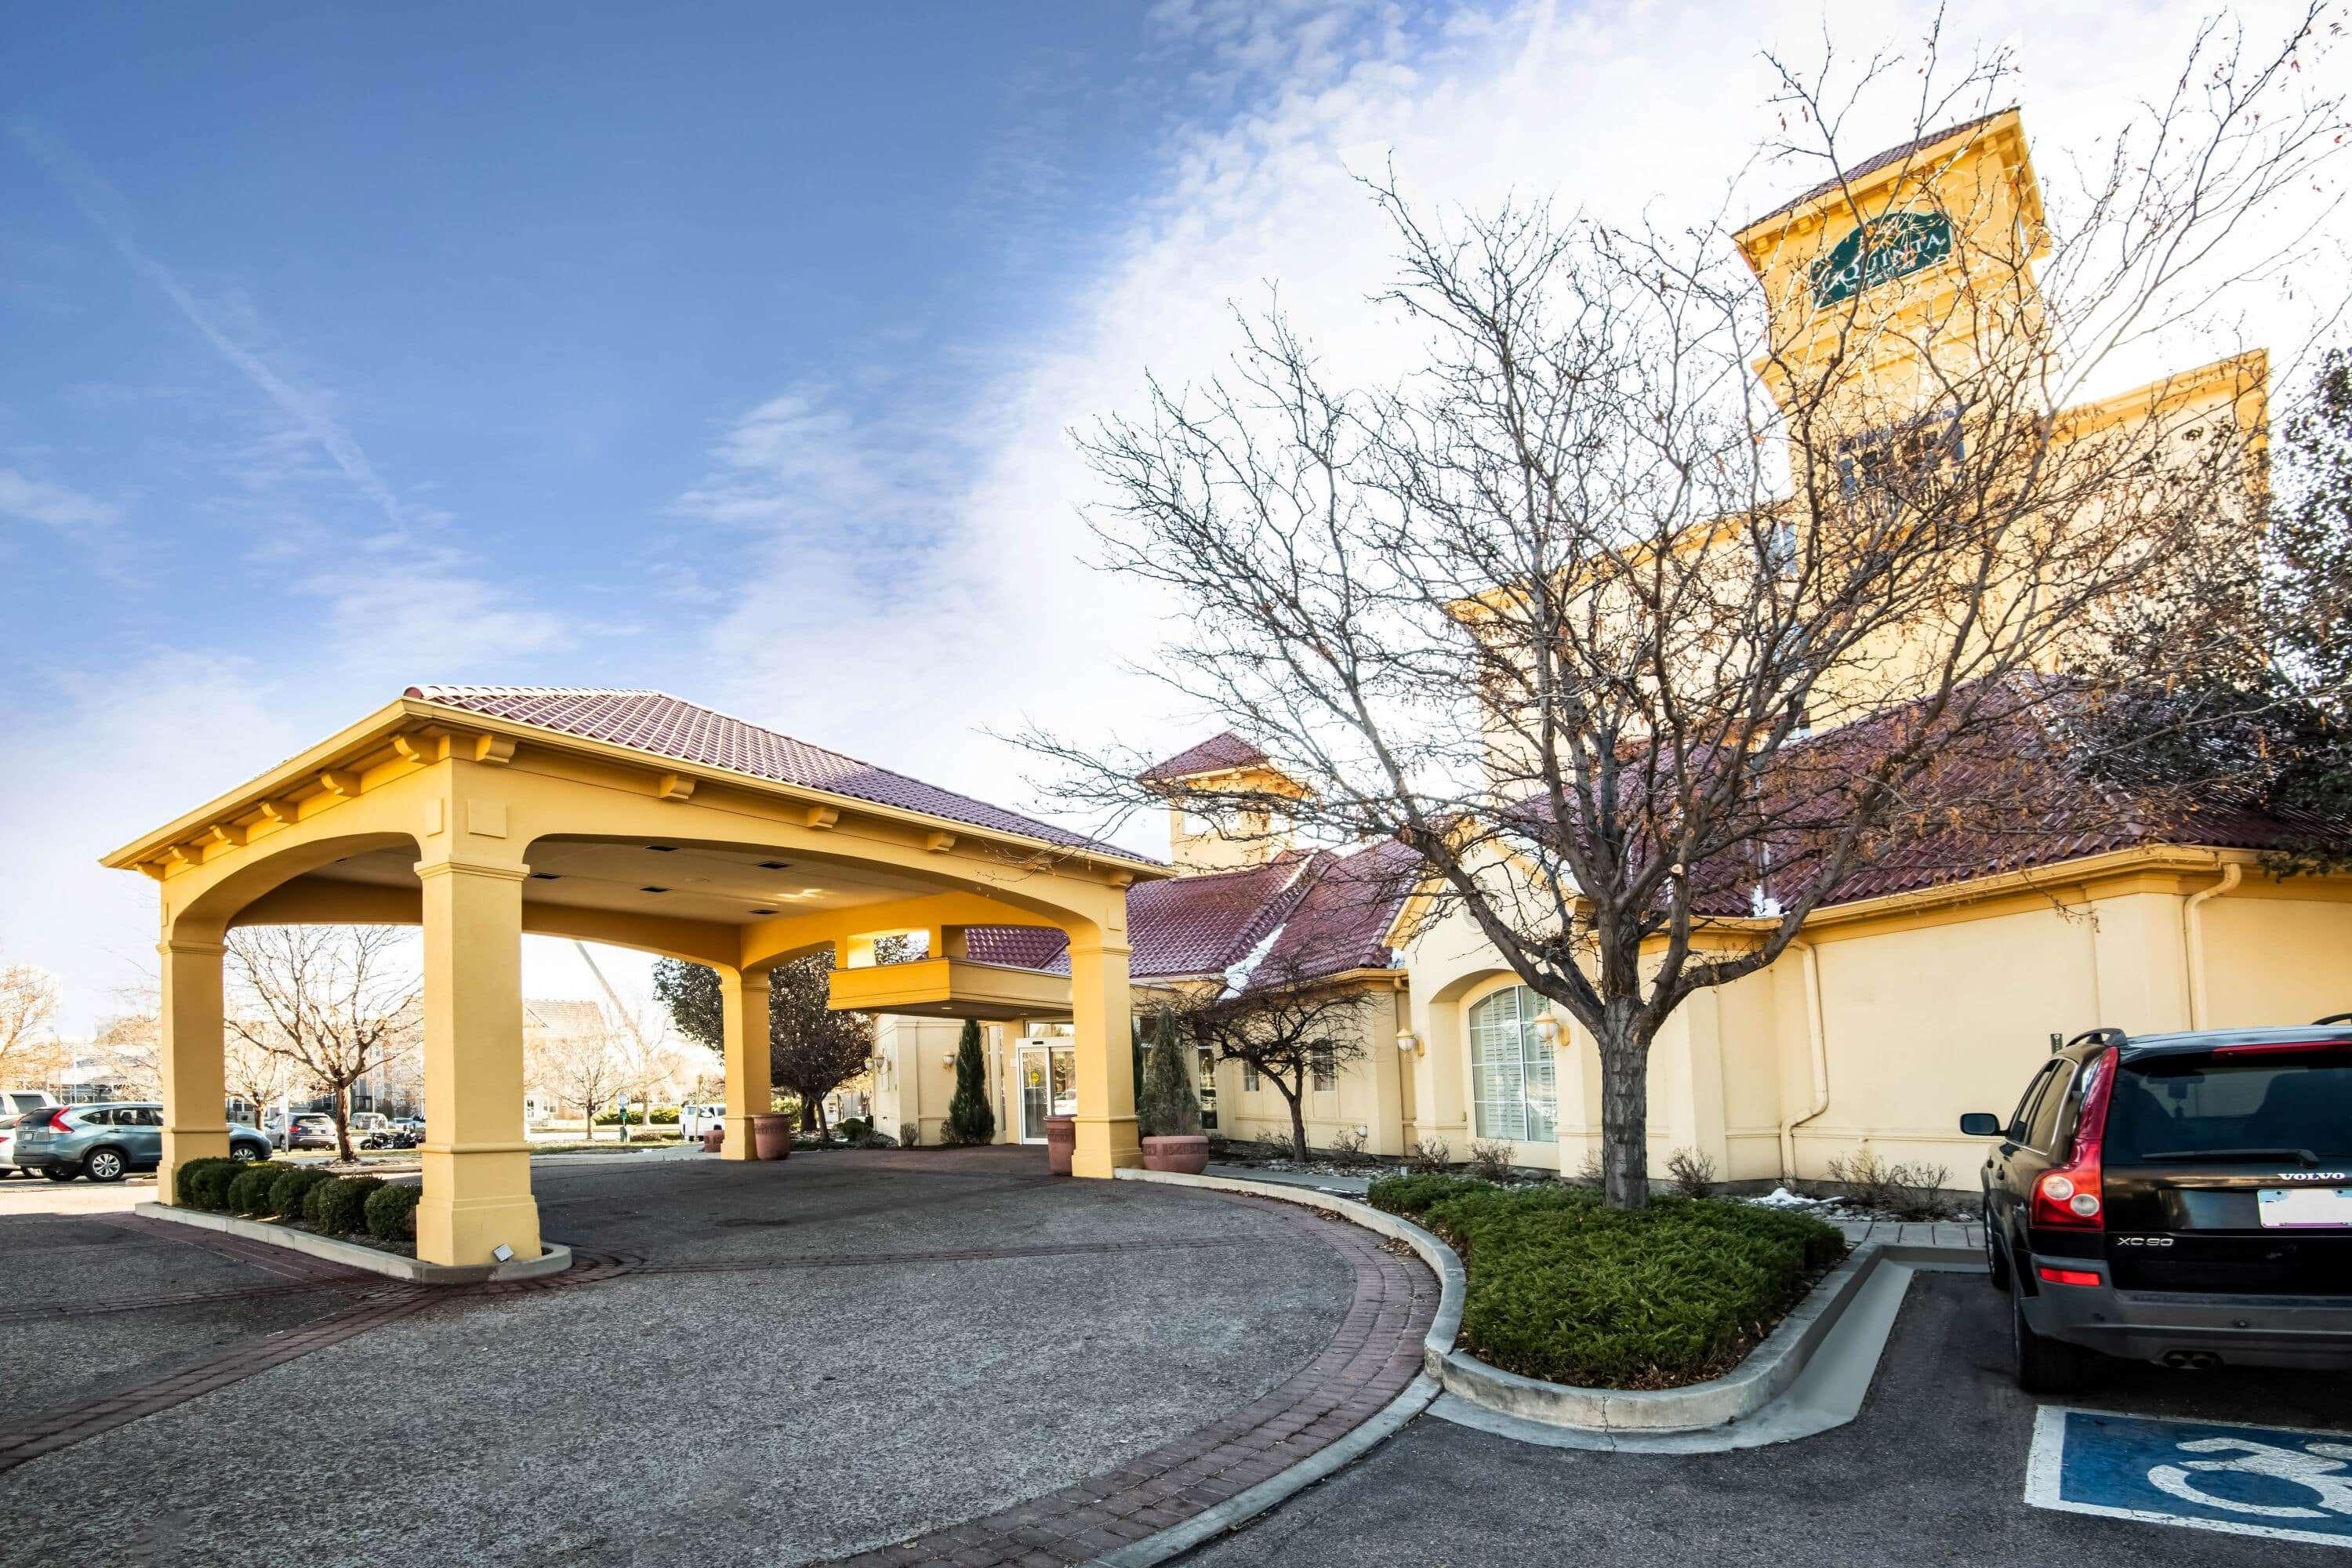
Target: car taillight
x,y
2068,1275
2071,1196
57,1122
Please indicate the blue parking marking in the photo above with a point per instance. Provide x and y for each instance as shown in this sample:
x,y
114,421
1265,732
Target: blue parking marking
x,y
2279,1481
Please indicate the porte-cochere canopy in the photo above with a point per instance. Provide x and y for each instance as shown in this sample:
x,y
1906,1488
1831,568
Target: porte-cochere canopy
x,y
631,818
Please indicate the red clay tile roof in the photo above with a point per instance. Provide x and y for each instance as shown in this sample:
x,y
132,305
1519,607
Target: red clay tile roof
x,y
2007,797
1340,923
1216,754
1326,913
1876,162
667,726
1189,925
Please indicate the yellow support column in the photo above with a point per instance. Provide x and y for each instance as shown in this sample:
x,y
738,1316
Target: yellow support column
x,y
743,1004
477,1165
1106,1137
195,1093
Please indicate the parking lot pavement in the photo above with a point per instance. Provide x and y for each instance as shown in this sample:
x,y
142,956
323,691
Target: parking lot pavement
x,y
1934,1471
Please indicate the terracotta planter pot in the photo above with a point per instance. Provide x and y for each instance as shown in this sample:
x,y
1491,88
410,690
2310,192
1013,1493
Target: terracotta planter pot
x,y
1188,1153
714,1140
771,1137
1061,1142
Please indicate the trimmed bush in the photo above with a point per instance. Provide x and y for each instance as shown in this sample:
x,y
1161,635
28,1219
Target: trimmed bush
x,y
207,1188
248,1193
392,1213
287,1192
1562,1286
970,1119
339,1207
1167,1107
186,1180
1410,1195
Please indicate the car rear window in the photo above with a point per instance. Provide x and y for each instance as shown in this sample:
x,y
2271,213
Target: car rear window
x,y
2258,1106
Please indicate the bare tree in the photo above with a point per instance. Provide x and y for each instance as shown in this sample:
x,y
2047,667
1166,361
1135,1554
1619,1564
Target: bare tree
x,y
335,1001
1284,1027
30,1051
1649,609
583,1067
812,1049
253,1074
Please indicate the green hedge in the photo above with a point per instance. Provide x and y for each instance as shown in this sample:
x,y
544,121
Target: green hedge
x,y
1410,1195
287,1192
249,1193
191,1178
662,1116
1564,1287
339,1207
392,1213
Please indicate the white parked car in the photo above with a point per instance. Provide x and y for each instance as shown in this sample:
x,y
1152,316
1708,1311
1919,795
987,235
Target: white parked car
x,y
14,1103
694,1120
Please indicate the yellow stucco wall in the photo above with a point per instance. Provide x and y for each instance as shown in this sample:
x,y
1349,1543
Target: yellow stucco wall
x,y
1925,1013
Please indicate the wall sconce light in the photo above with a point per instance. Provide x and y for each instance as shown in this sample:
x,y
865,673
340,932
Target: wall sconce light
x,y
947,1060
1410,1044
1548,1031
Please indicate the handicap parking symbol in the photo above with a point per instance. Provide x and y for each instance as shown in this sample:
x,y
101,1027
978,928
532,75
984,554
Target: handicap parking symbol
x,y
2278,1482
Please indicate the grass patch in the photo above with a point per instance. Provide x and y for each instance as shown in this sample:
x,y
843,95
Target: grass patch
x,y
1563,1287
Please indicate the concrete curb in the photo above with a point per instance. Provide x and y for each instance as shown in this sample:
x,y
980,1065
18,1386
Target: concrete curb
x,y
1702,1412
555,1259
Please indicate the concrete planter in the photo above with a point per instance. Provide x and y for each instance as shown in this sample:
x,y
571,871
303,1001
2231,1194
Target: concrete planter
x,y
1184,1152
552,1258
771,1137
1061,1142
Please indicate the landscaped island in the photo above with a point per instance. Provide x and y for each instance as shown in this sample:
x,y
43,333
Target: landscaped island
x,y
1563,1287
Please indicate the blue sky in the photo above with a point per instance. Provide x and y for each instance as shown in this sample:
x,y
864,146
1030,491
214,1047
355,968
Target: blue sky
x,y
729,349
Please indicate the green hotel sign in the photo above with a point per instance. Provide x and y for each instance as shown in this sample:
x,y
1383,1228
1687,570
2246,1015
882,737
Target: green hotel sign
x,y
1884,248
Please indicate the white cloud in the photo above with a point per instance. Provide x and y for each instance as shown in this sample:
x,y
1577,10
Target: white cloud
x,y
50,505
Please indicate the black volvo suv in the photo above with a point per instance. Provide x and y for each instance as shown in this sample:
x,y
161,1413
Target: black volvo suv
x,y
2178,1198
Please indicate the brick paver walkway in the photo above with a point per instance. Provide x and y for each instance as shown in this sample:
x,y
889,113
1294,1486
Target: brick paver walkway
x,y
1375,1354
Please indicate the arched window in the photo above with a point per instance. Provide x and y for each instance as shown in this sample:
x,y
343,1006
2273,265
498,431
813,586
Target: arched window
x,y
1510,1068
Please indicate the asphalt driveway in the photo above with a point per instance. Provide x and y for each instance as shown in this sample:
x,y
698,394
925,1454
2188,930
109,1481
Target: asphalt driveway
x,y
779,1364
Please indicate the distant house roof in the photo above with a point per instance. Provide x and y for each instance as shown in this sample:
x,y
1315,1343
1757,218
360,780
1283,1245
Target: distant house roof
x,y
1214,755
1876,162
1325,912
668,726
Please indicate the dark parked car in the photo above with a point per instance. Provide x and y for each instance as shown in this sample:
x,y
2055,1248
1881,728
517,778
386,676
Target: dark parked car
x,y
107,1143
2181,1198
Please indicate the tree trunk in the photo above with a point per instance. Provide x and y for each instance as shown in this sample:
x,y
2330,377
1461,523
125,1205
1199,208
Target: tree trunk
x,y
808,1114
1624,1122
1297,1118
342,1123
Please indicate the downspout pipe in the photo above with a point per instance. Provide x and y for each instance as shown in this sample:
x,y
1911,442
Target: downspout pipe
x,y
1818,1042
2192,933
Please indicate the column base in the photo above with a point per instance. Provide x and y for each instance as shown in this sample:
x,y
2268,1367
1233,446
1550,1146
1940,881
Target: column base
x,y
474,1203
739,1143
1106,1144
182,1144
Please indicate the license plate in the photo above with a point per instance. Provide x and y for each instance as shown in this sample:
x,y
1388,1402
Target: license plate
x,y
2293,1208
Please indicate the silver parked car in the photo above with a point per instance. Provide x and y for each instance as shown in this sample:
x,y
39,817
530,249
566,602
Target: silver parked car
x,y
107,1143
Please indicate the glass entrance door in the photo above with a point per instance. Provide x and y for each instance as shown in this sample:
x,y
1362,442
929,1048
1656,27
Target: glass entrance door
x,y
1049,1086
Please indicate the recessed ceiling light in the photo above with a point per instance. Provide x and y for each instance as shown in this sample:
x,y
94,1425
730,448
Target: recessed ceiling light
x,y
663,849
653,889
763,912
545,877
775,864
